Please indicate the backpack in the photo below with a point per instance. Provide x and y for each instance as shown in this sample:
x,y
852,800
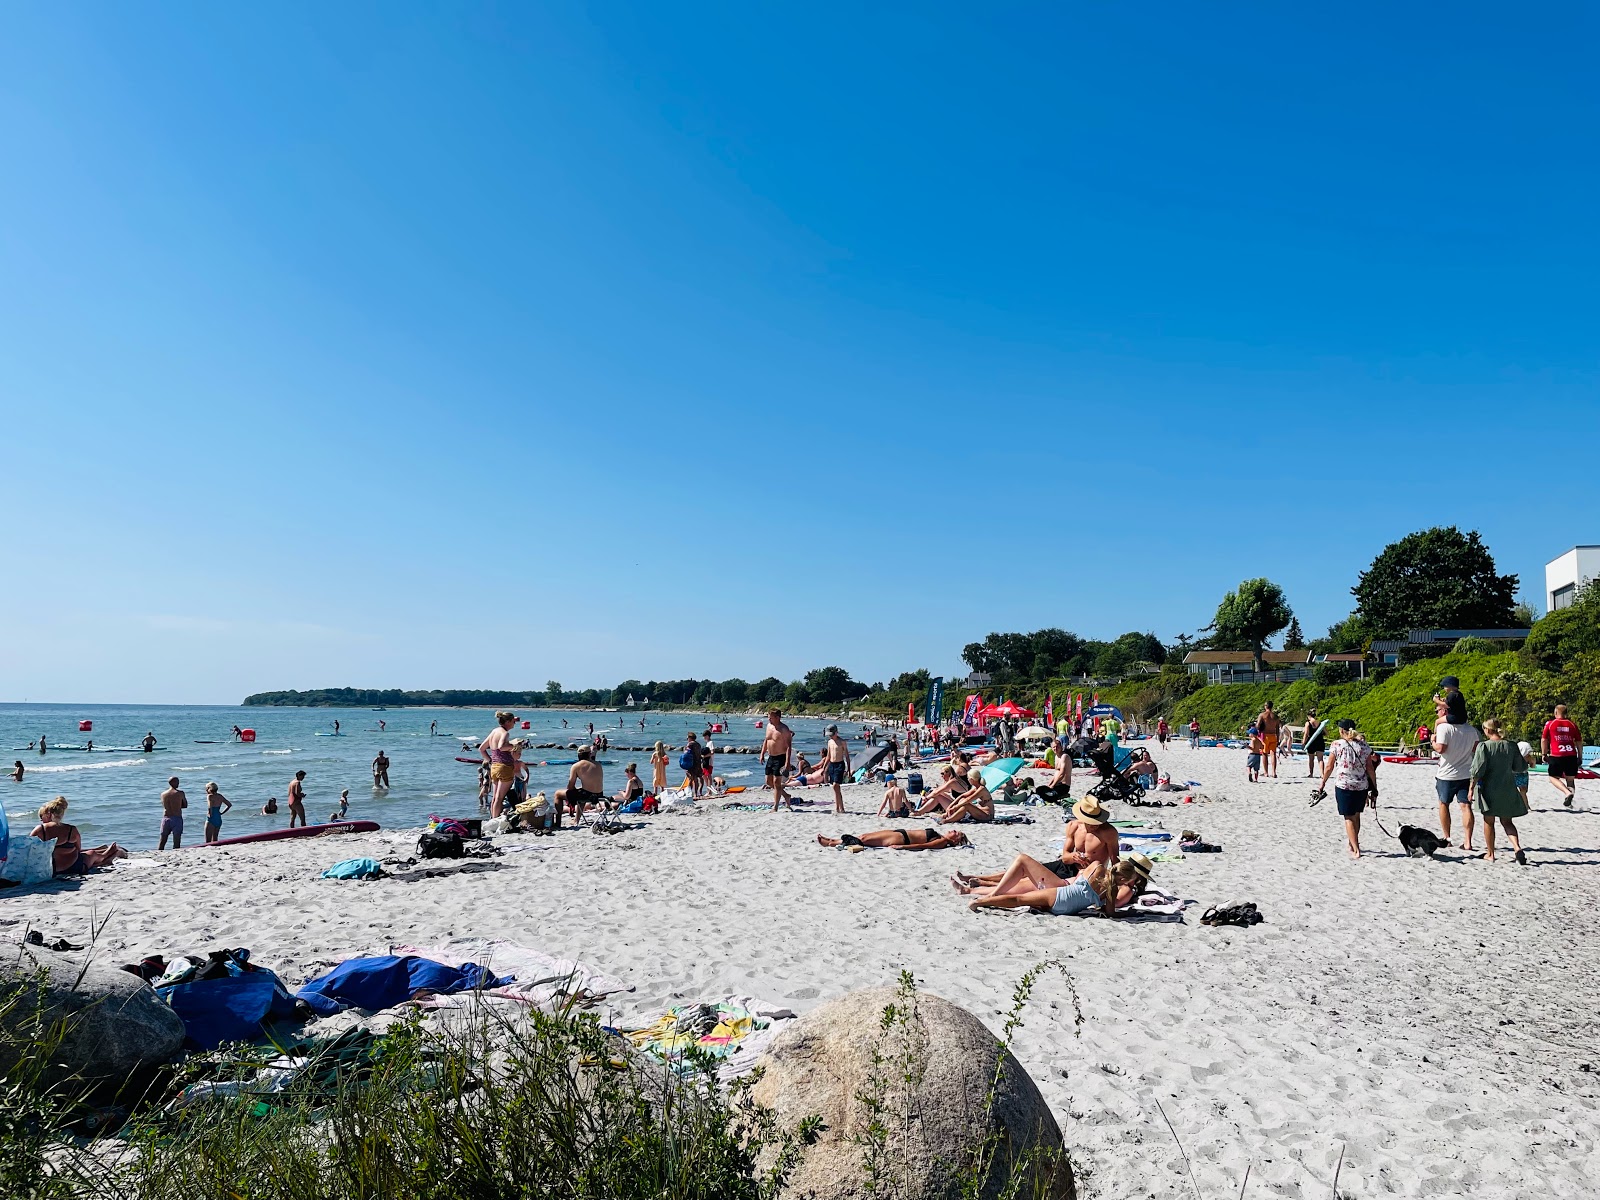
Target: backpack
x,y
440,845
689,761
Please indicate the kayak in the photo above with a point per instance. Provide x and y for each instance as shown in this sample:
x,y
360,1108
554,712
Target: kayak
x,y
299,831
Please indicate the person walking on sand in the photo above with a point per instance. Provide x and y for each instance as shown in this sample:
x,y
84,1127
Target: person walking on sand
x,y
1355,781
1315,741
658,768
216,805
380,771
838,758
1454,741
1270,728
502,759
173,802
1495,764
1194,733
776,745
1559,741
297,799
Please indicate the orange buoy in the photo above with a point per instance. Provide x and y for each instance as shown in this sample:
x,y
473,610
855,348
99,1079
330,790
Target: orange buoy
x,y
247,735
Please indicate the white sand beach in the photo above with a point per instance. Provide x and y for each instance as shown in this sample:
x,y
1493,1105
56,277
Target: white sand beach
x,y
1431,1019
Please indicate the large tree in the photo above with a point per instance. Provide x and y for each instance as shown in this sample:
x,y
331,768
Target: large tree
x,y
1437,578
1247,617
829,685
1294,638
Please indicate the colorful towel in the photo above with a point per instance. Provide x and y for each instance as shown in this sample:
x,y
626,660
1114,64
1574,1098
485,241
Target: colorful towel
x,y
734,1031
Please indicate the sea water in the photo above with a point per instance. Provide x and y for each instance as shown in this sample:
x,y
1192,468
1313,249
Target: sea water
x,y
115,790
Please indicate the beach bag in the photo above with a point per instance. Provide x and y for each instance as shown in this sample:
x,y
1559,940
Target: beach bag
x,y
440,845
687,761
914,783
651,803
28,860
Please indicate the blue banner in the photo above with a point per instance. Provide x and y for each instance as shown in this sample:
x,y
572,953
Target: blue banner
x,y
935,701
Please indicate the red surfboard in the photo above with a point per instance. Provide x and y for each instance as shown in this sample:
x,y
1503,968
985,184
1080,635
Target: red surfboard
x,y
299,831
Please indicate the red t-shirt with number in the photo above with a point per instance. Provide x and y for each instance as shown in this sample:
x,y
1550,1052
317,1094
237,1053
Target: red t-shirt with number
x,y
1562,736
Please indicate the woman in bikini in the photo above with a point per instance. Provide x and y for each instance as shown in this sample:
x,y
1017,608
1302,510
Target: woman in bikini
x,y
976,805
1097,887
899,839
951,789
502,758
68,855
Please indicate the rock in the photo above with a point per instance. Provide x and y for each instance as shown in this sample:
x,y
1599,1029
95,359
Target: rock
x,y
115,1023
822,1065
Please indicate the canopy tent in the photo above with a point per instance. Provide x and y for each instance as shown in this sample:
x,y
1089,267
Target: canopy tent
x,y
1007,708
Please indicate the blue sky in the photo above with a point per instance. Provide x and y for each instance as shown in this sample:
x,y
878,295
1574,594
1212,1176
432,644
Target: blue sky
x,y
404,345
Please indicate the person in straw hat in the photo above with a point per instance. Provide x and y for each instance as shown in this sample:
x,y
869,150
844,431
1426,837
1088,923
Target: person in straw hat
x,y
1088,839
1098,888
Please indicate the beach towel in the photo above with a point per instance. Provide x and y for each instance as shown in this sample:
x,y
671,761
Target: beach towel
x,y
229,1007
387,980
355,868
1155,905
734,1031
533,977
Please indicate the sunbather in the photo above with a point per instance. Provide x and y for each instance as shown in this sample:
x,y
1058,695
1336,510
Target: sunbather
x,y
69,856
976,805
1097,888
951,788
1087,840
899,839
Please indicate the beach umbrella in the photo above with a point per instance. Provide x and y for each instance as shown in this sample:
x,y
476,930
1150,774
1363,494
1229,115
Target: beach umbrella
x,y
997,772
1034,731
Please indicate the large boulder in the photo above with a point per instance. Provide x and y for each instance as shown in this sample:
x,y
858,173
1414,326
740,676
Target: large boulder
x,y
929,1069
112,1022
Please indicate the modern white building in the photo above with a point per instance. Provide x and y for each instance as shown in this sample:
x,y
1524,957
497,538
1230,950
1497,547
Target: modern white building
x,y
1565,575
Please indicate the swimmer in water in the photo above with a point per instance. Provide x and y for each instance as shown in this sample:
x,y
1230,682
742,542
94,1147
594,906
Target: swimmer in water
x,y
17,770
270,807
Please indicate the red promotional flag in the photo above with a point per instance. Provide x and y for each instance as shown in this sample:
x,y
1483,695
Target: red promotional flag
x,y
911,712
1049,709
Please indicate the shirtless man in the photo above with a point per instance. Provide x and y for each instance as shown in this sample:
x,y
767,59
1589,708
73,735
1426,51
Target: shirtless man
x,y
1089,839
380,771
173,802
585,784
838,758
776,746
1270,726
148,742
297,799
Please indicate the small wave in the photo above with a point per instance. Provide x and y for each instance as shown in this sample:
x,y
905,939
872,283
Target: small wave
x,y
99,766
739,774
277,752
437,795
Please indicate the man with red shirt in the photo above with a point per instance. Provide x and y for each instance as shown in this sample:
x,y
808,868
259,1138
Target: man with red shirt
x,y
1560,742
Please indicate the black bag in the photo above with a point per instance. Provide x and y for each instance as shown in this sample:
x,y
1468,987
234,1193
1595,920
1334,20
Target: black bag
x,y
440,845
914,783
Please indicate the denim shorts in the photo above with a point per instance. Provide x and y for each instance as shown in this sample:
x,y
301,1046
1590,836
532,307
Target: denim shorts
x,y
1076,897
1452,789
1520,780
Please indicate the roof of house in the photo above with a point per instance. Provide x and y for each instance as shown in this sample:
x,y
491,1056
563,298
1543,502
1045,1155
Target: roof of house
x,y
1427,637
1388,645
1354,656
1277,658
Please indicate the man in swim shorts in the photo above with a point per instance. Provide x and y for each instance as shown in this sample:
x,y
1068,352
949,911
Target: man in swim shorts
x,y
148,742
776,746
173,802
838,757
1269,726
297,799
1560,742
585,784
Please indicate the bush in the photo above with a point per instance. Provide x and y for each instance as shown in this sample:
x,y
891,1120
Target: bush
x,y
1331,674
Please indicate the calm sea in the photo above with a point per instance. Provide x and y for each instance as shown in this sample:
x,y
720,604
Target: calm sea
x,y
115,790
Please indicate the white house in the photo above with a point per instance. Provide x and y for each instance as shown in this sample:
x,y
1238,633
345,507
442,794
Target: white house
x,y
1565,575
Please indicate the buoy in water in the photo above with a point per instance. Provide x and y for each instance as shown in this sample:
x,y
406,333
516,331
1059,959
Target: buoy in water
x,y
85,726
247,735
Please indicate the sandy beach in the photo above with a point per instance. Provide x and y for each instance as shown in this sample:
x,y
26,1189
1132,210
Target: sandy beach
x,y
1430,1019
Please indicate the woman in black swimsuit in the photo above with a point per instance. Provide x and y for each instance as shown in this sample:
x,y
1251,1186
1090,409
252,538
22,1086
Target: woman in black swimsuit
x,y
900,839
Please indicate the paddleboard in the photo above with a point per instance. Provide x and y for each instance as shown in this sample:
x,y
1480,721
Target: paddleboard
x,y
468,760
1405,758
327,735
299,831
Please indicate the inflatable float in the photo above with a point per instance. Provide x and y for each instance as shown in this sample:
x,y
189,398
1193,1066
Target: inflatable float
x,y
299,831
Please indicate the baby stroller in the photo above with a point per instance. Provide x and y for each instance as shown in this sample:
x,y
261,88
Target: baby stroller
x,y
1113,785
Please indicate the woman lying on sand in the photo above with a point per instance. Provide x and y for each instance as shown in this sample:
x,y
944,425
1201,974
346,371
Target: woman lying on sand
x,y
70,858
1030,887
899,839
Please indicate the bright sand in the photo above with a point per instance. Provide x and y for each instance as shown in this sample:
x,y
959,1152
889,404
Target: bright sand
x,y
1432,1018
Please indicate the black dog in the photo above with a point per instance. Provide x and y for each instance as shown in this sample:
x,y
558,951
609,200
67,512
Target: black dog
x,y
1420,843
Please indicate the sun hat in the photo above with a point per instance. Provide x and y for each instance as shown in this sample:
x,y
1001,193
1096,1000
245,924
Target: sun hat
x,y
1089,811
1140,864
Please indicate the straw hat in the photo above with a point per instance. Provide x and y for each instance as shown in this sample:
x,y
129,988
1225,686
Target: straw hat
x,y
1140,864
1089,811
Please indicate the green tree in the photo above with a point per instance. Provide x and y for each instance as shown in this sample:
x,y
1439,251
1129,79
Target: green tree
x,y
912,681
829,685
1247,617
1559,637
1293,638
1437,578
767,691
552,692
735,691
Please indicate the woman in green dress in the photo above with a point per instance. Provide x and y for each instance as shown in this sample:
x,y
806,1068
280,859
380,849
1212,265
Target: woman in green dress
x,y
1495,764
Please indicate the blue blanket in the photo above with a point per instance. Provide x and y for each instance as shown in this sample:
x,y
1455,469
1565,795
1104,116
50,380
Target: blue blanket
x,y
385,981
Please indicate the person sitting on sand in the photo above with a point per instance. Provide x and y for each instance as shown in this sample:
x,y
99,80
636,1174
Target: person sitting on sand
x,y
1059,788
895,801
1142,770
585,784
632,788
68,857
899,839
976,805
1096,888
1087,839
952,787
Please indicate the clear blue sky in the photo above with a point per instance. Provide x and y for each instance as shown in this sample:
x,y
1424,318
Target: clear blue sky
x,y
444,345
